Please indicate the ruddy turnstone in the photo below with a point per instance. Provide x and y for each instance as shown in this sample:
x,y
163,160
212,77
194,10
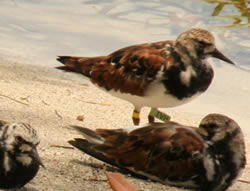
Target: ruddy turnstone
x,y
208,158
160,74
19,159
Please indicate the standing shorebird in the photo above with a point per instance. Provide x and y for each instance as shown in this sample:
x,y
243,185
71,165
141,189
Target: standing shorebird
x,y
19,159
158,75
208,158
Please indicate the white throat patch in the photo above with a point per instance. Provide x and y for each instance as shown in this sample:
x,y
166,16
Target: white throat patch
x,y
24,159
185,76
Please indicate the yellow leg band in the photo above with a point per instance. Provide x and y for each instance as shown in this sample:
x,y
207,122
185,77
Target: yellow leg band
x,y
136,115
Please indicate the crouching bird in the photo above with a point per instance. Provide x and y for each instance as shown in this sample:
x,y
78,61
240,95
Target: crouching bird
x,y
19,159
207,158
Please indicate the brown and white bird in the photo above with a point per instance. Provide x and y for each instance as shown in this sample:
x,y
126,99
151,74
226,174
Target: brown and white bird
x,y
19,159
208,158
158,75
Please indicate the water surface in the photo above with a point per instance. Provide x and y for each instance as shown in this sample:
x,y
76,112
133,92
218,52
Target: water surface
x,y
37,31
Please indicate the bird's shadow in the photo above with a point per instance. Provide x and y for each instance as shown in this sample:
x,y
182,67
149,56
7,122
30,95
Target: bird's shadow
x,y
107,167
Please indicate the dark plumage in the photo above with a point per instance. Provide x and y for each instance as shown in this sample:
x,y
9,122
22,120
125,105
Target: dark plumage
x,y
19,159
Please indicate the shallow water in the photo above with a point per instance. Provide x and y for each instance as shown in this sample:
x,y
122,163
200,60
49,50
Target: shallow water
x,y
37,31
34,32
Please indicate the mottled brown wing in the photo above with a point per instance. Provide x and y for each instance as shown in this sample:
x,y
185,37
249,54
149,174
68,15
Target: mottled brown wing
x,y
128,70
162,150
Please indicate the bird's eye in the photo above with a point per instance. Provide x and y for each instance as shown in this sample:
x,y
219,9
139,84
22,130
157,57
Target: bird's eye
x,y
19,139
203,44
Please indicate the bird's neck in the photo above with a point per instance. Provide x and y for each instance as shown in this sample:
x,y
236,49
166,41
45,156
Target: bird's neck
x,y
187,76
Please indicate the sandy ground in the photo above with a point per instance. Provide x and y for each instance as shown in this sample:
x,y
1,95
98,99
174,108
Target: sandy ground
x,y
50,101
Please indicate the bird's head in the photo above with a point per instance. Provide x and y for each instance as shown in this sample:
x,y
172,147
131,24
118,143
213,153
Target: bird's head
x,y
198,43
20,141
225,138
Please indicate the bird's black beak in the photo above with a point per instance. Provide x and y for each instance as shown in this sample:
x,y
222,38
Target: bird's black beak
x,y
36,157
219,55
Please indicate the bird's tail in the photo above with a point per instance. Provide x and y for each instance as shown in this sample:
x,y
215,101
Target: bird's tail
x,y
96,143
81,65
72,63
90,135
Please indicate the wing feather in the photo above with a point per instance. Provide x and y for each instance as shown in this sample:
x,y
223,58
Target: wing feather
x,y
128,70
167,151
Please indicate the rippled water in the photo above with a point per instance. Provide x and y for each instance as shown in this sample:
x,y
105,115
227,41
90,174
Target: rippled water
x,y
37,31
